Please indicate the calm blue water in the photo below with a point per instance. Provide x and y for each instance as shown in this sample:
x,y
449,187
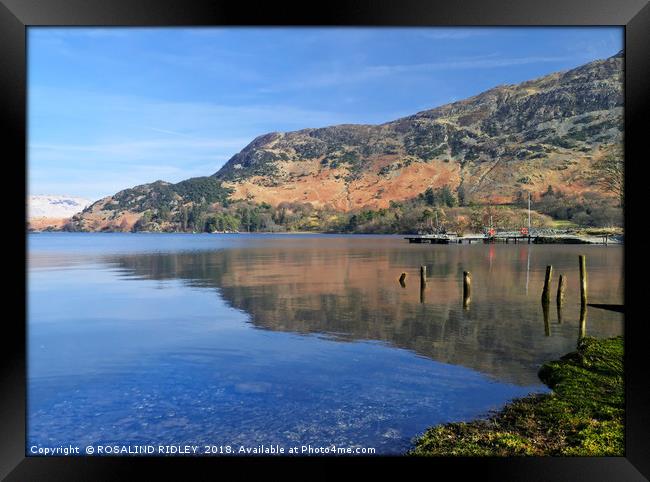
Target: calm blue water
x,y
244,340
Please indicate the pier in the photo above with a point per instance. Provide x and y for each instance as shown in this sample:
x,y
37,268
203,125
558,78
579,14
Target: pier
x,y
453,239
509,237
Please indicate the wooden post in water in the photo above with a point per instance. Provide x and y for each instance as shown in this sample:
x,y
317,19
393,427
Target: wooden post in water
x,y
401,280
560,297
547,324
560,291
546,293
467,288
583,279
582,331
423,282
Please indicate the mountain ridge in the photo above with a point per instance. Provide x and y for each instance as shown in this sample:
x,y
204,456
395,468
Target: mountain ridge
x,y
490,147
466,131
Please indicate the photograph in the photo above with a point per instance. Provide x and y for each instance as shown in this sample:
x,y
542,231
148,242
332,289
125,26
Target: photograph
x,y
325,241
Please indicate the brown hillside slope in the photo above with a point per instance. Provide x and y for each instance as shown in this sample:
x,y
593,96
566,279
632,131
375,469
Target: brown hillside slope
x,y
545,131
512,138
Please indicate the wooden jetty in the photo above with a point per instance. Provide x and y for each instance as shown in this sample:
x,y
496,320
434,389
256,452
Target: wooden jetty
x,y
524,235
507,237
454,239
431,238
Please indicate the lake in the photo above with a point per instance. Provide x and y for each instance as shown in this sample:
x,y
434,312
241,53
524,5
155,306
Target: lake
x,y
290,340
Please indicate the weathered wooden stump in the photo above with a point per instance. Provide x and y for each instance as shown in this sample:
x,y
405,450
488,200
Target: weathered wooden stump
x,y
583,279
467,288
546,292
582,332
547,323
423,282
560,290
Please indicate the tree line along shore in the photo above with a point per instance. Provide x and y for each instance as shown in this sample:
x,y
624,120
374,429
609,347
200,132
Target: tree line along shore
x,y
427,212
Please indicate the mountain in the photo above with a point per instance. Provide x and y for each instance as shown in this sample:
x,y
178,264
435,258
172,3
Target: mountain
x,y
507,140
53,210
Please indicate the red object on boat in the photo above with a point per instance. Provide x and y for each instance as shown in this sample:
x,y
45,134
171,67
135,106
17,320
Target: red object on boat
x,y
524,231
491,232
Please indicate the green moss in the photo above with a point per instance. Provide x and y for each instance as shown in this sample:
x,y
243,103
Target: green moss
x,y
582,416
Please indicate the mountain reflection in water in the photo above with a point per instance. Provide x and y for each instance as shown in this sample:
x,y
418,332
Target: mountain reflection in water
x,y
347,288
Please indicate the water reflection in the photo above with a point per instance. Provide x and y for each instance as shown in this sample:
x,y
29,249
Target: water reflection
x,y
199,339
583,322
345,289
527,267
545,314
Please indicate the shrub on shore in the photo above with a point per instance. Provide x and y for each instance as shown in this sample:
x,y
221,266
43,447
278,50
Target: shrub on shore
x,y
582,416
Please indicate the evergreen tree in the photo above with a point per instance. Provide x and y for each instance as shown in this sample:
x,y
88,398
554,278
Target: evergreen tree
x,y
549,191
461,195
430,197
447,197
184,218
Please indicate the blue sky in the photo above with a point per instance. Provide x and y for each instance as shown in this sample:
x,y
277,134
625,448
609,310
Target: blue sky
x,y
110,108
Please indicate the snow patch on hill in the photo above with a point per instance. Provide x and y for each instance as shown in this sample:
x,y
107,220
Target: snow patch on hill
x,y
54,206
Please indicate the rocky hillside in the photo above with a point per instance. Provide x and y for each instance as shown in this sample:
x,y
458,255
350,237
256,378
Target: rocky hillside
x,y
512,138
540,132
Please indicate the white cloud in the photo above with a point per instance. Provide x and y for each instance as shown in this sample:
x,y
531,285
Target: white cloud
x,y
159,150
111,142
370,72
190,118
455,33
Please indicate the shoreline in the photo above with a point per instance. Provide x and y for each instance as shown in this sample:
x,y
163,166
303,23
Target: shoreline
x,y
582,416
558,240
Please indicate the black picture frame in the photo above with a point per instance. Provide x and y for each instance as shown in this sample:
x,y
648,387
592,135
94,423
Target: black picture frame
x,y
16,15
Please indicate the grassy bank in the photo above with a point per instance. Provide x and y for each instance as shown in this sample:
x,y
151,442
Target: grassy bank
x,y
582,416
